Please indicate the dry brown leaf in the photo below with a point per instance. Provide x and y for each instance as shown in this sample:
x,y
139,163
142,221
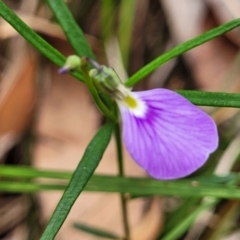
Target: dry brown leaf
x,y
224,11
17,99
209,63
38,24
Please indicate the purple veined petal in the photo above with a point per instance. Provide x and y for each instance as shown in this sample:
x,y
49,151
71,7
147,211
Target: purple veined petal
x,y
167,136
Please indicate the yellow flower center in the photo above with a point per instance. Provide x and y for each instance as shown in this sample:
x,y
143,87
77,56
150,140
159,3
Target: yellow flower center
x,y
130,102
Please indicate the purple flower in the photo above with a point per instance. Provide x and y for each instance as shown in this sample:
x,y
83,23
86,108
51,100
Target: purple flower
x,y
166,134
163,132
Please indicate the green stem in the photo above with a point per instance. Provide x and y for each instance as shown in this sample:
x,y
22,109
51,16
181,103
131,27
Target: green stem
x,y
121,174
103,108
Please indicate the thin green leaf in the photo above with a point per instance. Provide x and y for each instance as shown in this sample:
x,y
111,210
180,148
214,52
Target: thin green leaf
x,y
217,99
180,49
80,177
33,38
45,48
96,231
219,188
17,171
11,171
148,187
28,187
71,28
175,218
182,227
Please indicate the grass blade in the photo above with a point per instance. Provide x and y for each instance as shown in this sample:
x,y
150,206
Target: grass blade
x,y
28,187
26,172
42,46
214,186
70,27
180,49
183,226
215,99
80,177
33,38
95,231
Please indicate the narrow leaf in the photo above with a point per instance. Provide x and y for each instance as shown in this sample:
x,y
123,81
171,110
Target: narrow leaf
x,y
28,187
33,38
180,49
95,231
178,230
27,172
219,187
81,175
176,217
45,48
149,187
217,99
70,27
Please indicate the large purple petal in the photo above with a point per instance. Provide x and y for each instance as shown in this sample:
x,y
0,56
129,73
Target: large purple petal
x,y
172,139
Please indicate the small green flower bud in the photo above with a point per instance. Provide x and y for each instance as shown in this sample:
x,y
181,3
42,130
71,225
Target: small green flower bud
x,y
72,62
93,72
106,80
